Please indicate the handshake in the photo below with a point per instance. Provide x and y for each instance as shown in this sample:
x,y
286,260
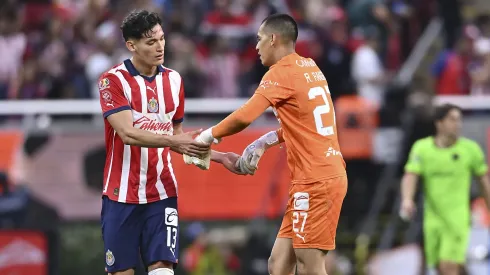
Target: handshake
x,y
247,163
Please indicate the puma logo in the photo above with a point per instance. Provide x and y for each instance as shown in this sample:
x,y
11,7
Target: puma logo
x,y
301,237
151,89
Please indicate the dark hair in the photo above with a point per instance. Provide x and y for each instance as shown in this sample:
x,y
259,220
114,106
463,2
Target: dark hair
x,y
138,24
282,24
442,111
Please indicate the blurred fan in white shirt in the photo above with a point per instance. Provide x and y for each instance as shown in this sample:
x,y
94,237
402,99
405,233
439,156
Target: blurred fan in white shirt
x,y
367,68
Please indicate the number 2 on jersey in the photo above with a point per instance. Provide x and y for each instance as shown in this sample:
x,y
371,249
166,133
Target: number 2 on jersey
x,y
322,109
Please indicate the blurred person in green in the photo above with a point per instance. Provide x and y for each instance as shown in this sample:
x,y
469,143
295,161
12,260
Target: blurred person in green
x,y
445,163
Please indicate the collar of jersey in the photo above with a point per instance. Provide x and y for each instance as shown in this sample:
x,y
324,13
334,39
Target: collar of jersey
x,y
443,148
286,58
132,70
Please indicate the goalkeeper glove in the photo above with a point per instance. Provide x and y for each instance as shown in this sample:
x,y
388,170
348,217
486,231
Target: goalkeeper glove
x,y
249,161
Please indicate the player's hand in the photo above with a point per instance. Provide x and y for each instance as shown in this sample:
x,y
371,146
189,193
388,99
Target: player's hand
x,y
244,167
250,158
407,209
230,161
185,144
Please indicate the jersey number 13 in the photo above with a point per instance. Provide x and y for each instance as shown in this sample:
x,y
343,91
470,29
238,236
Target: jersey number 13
x,y
321,109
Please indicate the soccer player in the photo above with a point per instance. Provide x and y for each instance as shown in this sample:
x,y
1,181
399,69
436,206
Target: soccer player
x,y
143,107
298,92
446,163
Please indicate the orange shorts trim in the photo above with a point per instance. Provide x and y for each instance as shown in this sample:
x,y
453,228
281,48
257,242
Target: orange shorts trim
x,y
313,212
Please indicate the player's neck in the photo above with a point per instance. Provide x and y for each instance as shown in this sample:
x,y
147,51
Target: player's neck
x,y
444,141
282,52
143,69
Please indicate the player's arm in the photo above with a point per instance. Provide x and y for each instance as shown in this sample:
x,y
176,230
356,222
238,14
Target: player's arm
x,y
117,111
268,140
216,156
274,88
409,186
413,168
241,118
235,123
122,122
227,159
480,169
485,188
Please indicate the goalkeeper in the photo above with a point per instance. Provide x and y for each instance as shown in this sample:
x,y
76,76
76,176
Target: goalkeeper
x,y
446,163
298,92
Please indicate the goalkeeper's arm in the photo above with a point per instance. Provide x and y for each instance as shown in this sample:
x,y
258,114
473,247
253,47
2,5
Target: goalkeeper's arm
x,y
239,119
270,139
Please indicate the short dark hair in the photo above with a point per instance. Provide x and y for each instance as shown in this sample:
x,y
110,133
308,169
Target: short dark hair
x,y
442,111
283,24
138,24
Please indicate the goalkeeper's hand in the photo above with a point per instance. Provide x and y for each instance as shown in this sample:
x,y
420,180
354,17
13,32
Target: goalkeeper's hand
x,y
249,161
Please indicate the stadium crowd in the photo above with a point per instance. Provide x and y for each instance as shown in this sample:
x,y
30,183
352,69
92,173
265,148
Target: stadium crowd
x,y
57,49
463,67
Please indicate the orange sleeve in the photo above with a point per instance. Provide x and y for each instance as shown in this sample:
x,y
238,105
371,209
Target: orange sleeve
x,y
241,118
275,87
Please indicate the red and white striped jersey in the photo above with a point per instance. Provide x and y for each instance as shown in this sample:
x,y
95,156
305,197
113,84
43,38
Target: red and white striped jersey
x,y
134,174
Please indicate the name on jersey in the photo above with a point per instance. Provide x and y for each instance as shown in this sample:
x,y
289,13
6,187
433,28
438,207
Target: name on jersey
x,y
154,126
314,76
305,63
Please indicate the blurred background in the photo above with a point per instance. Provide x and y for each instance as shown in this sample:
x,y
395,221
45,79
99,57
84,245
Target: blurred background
x,y
387,63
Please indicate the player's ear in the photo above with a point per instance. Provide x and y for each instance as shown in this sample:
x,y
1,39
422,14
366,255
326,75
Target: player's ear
x,y
131,46
273,39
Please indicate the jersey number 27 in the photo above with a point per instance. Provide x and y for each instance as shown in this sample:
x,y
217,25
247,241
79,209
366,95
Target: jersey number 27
x,y
321,109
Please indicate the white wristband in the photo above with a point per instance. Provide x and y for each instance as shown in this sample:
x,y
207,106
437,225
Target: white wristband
x,y
207,136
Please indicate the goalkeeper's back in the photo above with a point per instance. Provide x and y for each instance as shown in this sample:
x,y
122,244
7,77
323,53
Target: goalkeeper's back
x,y
301,100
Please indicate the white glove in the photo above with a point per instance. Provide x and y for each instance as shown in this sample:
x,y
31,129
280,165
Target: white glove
x,y
203,163
249,161
205,137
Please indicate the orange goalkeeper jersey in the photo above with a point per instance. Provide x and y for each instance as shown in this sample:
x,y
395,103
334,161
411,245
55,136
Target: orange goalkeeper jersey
x,y
299,94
